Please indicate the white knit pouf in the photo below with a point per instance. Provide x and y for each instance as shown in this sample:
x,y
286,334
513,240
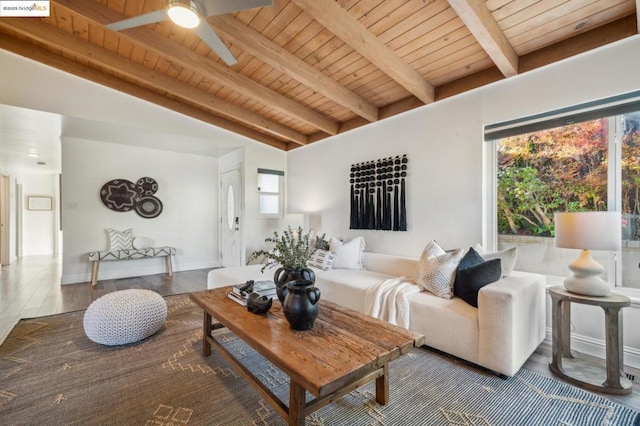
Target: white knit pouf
x,y
124,317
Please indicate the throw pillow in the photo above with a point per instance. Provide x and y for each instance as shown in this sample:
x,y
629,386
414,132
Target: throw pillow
x,y
322,259
506,256
472,274
322,243
437,269
142,243
348,255
120,240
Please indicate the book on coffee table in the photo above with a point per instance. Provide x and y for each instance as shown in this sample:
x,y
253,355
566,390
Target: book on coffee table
x,y
263,288
238,299
240,292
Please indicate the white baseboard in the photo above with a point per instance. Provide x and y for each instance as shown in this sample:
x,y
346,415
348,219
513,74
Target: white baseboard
x,y
597,348
136,272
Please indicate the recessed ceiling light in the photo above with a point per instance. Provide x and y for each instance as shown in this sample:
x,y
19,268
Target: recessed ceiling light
x,y
33,153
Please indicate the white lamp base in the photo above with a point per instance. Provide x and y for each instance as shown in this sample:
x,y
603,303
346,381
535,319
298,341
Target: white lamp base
x,y
586,279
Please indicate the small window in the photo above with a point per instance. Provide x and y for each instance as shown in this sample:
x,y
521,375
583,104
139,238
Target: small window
x,y
270,193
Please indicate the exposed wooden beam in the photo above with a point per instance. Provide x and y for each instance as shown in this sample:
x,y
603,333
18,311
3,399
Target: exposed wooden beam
x,y
179,54
269,52
50,36
337,20
44,56
479,20
614,31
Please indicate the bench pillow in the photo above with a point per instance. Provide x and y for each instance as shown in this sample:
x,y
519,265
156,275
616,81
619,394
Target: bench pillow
x,y
142,243
120,240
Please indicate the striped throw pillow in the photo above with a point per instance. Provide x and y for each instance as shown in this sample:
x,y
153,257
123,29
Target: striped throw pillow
x,y
321,259
120,240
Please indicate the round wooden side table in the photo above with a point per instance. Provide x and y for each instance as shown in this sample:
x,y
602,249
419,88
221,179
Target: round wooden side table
x,y
580,372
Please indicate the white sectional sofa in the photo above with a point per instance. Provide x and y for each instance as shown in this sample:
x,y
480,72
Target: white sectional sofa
x,y
500,334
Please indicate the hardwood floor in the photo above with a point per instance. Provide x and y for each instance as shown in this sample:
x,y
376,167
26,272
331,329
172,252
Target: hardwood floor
x,y
31,288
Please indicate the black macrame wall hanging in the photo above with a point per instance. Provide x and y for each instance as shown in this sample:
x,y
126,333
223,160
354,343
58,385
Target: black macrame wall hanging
x,y
379,194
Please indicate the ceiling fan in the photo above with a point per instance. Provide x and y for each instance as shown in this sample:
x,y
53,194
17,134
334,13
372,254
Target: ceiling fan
x,y
192,14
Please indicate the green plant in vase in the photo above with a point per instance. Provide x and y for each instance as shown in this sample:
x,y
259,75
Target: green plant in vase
x,y
290,251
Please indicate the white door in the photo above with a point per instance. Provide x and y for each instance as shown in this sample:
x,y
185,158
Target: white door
x,y
231,228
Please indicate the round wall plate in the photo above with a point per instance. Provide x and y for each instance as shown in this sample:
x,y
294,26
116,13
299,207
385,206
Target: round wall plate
x,y
149,207
147,185
120,195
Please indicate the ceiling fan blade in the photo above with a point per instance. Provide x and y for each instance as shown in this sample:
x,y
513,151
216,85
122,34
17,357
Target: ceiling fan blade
x,y
220,7
212,40
148,18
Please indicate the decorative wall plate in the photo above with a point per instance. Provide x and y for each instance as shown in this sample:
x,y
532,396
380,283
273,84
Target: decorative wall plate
x,y
122,195
149,207
147,185
119,195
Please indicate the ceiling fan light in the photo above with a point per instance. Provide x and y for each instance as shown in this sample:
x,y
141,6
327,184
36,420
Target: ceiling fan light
x,y
184,16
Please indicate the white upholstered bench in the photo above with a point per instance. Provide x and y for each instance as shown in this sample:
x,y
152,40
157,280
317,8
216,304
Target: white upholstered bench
x,y
95,257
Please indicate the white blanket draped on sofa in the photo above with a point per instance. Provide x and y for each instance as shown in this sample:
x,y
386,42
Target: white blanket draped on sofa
x,y
388,300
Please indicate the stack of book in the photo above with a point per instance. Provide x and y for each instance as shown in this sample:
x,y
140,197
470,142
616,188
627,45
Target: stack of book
x,y
240,292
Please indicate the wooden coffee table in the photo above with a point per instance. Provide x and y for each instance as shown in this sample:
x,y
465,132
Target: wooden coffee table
x,y
343,351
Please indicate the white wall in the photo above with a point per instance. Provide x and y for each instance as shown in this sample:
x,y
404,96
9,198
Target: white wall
x,y
444,144
444,187
38,227
188,189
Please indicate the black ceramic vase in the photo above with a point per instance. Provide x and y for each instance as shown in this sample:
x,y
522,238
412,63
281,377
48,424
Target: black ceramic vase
x,y
301,304
284,275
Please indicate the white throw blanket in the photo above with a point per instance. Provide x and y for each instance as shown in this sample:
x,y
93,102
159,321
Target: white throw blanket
x,y
388,300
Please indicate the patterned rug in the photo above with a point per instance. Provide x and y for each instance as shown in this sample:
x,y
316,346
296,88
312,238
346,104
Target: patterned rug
x,y
51,374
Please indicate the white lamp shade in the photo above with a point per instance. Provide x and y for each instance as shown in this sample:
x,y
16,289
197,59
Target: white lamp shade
x,y
295,220
588,230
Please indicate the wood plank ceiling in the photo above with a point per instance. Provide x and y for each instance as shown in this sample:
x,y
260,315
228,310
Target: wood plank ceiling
x,y
308,69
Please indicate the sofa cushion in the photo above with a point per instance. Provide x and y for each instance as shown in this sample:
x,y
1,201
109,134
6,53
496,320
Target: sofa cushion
x,y
437,270
472,274
348,287
348,255
449,325
222,277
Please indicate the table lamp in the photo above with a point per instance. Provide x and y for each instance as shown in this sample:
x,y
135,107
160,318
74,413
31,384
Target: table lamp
x,y
587,231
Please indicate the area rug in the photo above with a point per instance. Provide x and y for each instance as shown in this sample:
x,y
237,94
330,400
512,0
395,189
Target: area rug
x,y
52,374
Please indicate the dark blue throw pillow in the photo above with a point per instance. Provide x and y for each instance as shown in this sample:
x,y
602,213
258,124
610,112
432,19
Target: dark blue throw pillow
x,y
472,274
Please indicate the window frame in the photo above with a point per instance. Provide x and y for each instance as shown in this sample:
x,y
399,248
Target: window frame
x,y
279,194
613,109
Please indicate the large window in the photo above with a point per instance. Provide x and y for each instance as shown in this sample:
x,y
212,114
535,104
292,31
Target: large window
x,y
587,165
